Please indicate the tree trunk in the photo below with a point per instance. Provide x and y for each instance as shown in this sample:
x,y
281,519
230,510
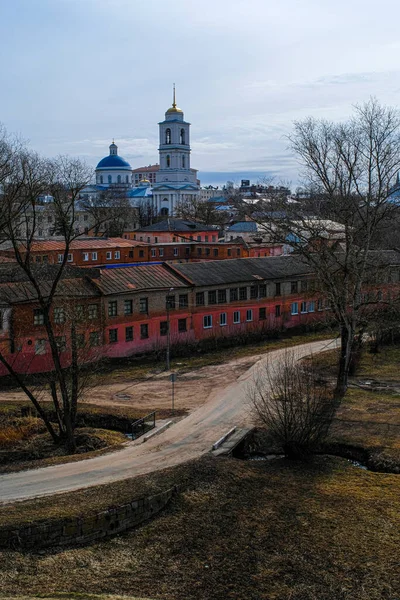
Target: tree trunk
x,y
346,344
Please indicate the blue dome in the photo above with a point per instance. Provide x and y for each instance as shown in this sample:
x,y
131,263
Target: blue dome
x,y
113,161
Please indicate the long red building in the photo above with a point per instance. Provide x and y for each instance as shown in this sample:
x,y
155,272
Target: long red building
x,y
126,311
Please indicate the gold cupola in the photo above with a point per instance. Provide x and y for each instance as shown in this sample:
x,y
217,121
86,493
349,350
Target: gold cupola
x,y
174,108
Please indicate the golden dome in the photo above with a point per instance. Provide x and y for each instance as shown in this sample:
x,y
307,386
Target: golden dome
x,y
174,109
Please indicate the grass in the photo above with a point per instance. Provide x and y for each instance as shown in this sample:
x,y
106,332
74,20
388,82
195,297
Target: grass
x,y
72,596
239,530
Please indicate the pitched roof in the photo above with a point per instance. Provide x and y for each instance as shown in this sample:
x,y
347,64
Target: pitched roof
x,y
67,288
178,225
242,269
142,277
83,244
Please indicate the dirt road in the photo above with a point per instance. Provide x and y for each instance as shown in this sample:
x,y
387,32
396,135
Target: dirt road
x,y
187,439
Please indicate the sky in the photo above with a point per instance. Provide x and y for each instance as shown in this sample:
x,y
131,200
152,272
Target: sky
x,y
77,73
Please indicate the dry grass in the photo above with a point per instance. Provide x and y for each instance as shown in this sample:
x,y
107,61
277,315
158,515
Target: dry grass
x,y
242,531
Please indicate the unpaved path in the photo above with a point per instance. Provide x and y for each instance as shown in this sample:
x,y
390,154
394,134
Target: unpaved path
x,y
187,439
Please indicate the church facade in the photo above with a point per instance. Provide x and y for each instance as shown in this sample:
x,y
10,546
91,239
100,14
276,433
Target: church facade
x,y
175,181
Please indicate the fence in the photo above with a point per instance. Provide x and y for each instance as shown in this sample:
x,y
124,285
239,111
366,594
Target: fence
x,y
143,425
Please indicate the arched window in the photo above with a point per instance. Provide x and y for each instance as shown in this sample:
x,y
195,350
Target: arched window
x,y
101,179
164,212
182,136
183,161
127,179
168,136
168,160
119,179
109,179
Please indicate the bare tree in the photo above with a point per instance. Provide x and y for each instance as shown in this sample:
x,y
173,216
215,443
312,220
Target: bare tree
x,y
296,408
193,209
349,169
111,212
28,177
147,213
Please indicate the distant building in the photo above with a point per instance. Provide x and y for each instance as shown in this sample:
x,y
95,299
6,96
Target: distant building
x,y
113,169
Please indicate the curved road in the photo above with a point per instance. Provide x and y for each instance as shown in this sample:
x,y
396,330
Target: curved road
x,y
189,438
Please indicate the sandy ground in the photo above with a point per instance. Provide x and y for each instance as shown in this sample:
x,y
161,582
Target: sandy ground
x,y
192,389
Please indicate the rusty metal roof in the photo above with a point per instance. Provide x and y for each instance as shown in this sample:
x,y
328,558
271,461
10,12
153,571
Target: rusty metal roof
x,y
83,244
24,291
141,277
218,272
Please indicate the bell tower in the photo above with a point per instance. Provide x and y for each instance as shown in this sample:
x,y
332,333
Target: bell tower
x,y
175,174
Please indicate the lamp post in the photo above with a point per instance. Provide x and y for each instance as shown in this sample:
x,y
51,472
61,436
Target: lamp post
x,y
168,365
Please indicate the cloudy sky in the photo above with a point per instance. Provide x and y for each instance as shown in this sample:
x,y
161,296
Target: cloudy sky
x,y
76,73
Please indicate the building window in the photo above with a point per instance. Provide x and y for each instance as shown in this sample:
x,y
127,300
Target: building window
x,y
170,302
127,179
79,312
168,136
262,313
176,253
222,319
161,252
214,238
294,287
243,293
236,317
40,346
153,252
183,162
182,325
141,253
86,256
237,251
109,179
200,299
183,300
304,285
119,179
221,296
320,304
215,251
311,306
112,308
117,254
206,238
187,250
70,258
113,336
207,321
262,290
229,252
94,338
109,255
295,308
208,251
93,311
198,251
144,331
129,334
80,340
94,255
59,315
182,137
163,327
130,254
278,310
249,315
128,307
277,289
60,258
233,294
168,160
253,292
212,297
61,343
38,316
144,305
101,179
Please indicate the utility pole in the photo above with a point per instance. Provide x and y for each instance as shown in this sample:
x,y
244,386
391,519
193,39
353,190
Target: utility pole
x,y
167,305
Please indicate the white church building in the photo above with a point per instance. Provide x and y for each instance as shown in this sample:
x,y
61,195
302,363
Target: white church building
x,y
175,180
